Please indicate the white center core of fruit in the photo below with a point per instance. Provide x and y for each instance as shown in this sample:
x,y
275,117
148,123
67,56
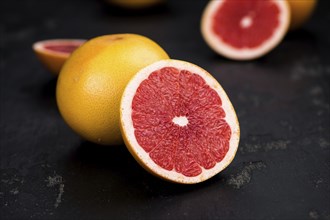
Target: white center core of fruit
x,y
246,21
181,121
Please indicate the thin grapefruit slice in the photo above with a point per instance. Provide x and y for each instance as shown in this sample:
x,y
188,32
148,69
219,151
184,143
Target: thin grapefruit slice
x,y
178,122
245,30
53,53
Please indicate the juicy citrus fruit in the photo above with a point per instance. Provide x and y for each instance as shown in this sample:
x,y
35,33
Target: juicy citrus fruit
x,y
244,30
178,122
135,4
301,10
92,81
53,53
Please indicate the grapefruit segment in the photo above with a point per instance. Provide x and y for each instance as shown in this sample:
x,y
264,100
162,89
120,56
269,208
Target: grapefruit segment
x,y
245,30
53,53
178,123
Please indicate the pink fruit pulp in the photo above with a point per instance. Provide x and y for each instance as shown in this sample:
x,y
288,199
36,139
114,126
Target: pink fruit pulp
x,y
200,139
246,24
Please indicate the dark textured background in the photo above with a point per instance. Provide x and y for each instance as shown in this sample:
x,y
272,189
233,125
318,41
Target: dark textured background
x,y
282,168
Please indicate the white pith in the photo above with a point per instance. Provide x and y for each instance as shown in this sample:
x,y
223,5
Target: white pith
x,y
138,151
40,45
246,21
181,121
228,51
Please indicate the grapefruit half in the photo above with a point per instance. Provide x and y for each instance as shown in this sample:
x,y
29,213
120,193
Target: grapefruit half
x,y
53,53
245,30
178,122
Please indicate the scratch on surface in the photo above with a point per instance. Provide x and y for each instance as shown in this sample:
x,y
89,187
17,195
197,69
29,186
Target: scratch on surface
x,y
53,181
244,176
59,196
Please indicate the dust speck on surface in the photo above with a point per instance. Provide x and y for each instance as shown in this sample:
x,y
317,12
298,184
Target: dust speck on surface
x,y
314,215
244,176
324,144
307,69
11,182
54,180
14,191
265,147
316,90
318,182
277,145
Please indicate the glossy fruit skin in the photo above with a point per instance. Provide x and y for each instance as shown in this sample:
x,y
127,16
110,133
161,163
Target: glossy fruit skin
x,y
301,11
54,61
91,83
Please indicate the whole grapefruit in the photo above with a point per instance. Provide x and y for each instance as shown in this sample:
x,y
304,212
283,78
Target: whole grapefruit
x,y
92,81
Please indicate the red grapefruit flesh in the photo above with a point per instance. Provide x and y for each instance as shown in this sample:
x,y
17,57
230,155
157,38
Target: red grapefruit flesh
x,y
54,53
244,30
178,123
67,49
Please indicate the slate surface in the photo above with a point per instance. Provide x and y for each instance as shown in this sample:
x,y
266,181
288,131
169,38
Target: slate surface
x,y
281,170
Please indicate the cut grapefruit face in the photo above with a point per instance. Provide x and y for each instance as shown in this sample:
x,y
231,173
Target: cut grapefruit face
x,y
178,123
245,30
53,53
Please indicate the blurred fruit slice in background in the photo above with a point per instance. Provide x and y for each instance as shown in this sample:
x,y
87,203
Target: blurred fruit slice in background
x,y
135,4
53,53
245,30
301,11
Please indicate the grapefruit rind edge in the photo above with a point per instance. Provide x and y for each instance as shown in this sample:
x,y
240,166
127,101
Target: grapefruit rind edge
x,y
138,152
